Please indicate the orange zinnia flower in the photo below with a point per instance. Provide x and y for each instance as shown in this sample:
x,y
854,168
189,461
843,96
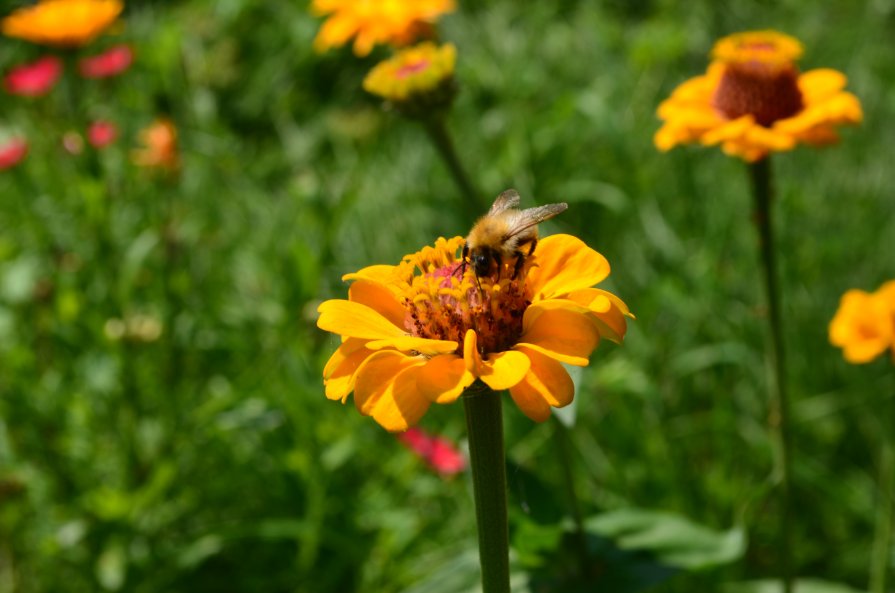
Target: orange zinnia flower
x,y
66,23
160,146
864,324
392,22
424,330
752,100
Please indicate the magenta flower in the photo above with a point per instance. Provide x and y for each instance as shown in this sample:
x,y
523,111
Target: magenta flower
x,y
111,62
101,133
35,79
438,453
12,153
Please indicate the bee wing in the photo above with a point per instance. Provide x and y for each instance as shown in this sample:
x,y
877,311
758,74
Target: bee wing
x,y
505,201
525,219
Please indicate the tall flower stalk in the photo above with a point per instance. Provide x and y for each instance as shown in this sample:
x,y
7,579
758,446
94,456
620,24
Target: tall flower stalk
x,y
763,194
484,425
752,101
864,327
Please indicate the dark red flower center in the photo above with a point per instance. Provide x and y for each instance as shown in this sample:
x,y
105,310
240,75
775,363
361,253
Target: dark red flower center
x,y
767,92
456,302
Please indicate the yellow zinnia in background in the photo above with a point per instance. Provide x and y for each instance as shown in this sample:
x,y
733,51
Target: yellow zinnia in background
x,y
413,71
864,324
753,100
65,23
372,22
423,331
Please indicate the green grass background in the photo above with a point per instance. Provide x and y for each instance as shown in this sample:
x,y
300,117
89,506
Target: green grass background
x,y
209,460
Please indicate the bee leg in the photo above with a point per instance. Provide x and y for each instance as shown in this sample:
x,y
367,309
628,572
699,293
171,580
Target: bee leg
x,y
499,263
465,257
520,259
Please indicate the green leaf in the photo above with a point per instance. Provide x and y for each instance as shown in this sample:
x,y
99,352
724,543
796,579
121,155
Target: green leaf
x,y
800,586
672,539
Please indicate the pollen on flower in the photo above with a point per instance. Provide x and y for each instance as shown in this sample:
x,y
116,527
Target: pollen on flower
x,y
446,299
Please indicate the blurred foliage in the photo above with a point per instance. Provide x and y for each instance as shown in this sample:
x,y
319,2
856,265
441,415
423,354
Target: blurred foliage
x,y
208,459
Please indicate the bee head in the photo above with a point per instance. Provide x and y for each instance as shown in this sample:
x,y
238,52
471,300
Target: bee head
x,y
481,259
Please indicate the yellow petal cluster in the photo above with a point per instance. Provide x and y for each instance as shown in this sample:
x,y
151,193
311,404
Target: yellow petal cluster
x,y
62,23
864,324
752,100
415,71
423,331
374,22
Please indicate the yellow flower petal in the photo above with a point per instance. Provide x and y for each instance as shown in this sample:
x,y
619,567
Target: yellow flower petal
x,y
339,372
444,378
730,130
501,371
609,310
356,320
564,263
379,298
565,335
530,402
821,83
388,276
548,379
386,390
410,343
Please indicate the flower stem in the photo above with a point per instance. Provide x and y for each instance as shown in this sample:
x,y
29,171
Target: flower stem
x,y
484,423
762,191
882,539
438,134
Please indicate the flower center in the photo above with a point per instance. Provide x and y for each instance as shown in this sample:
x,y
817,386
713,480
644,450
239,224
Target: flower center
x,y
446,302
766,92
411,68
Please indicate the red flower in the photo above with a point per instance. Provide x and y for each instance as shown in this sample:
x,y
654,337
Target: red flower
x,y
12,153
34,79
112,62
102,133
439,453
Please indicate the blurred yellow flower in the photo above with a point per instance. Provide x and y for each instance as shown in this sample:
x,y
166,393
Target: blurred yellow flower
x,y
864,324
371,22
423,331
753,100
66,23
418,80
159,150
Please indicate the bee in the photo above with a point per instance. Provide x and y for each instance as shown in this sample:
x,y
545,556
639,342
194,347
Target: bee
x,y
503,233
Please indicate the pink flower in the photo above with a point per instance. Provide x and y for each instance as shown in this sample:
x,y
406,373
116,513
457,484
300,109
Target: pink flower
x,y
34,79
112,62
102,133
438,453
12,153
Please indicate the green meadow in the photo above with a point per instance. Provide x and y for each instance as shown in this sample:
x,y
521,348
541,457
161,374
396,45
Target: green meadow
x,y
163,424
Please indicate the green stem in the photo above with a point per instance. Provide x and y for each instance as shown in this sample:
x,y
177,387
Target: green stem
x,y
484,423
882,539
762,191
438,134
563,442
